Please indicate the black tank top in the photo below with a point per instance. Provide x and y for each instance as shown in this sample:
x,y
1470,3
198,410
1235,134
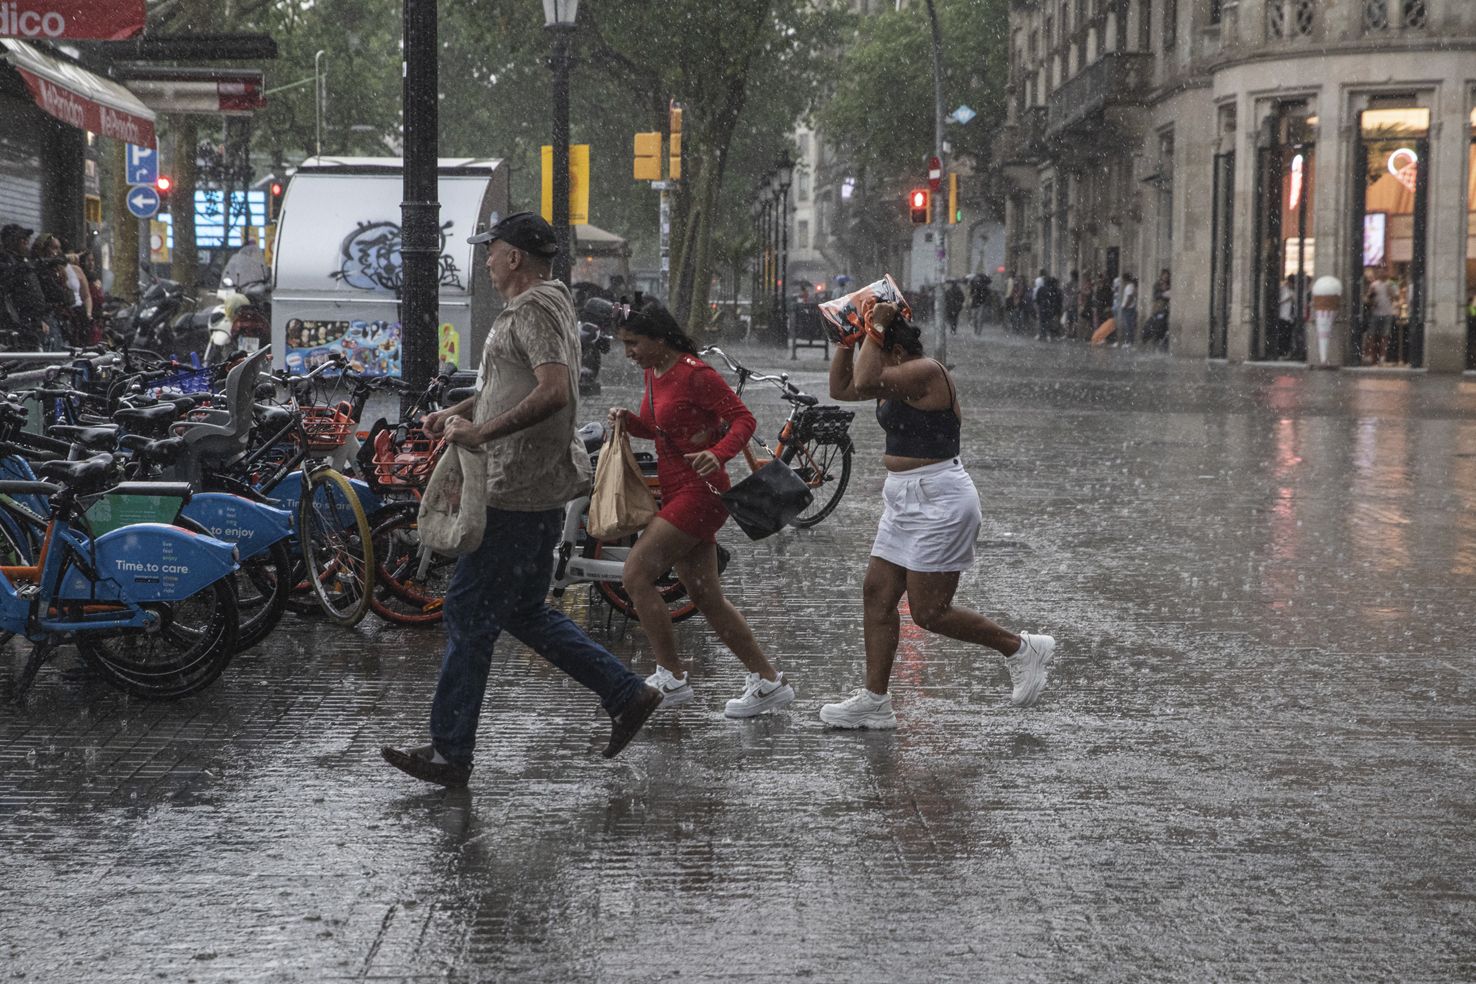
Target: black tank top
x,y
914,433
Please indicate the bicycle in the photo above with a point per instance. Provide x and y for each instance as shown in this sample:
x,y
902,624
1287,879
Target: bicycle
x,y
814,440
150,606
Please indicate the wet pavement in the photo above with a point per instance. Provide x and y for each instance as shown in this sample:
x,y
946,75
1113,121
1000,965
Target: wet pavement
x,y
1253,762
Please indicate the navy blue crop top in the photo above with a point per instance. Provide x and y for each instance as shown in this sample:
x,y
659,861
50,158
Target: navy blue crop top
x,y
914,433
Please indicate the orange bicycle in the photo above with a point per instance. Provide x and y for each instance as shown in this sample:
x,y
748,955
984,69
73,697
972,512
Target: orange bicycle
x,y
814,440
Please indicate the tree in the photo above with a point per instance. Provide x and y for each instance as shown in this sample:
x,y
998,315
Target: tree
x,y
881,118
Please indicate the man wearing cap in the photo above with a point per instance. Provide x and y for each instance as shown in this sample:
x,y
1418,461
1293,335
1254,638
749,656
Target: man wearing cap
x,y
23,305
522,418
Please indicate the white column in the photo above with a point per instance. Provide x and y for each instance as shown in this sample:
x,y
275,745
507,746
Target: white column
x,y
1331,179
1445,320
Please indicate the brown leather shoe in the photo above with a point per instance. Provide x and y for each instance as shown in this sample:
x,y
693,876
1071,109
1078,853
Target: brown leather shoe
x,y
417,762
625,724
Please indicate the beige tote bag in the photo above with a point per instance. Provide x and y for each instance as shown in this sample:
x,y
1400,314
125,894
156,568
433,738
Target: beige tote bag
x,y
621,503
453,511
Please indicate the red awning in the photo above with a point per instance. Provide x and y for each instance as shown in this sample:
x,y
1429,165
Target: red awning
x,y
80,98
71,20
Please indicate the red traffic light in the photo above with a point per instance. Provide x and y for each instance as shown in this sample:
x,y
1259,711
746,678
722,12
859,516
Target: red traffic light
x,y
276,187
164,183
918,206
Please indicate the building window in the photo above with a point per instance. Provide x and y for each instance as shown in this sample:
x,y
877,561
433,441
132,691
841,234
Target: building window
x,y
1170,24
802,234
1216,11
802,183
1290,18
1414,13
1375,15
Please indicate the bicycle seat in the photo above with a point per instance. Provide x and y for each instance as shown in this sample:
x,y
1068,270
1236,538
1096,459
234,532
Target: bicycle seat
x,y
593,436
803,399
152,419
151,451
102,438
272,418
225,432
88,475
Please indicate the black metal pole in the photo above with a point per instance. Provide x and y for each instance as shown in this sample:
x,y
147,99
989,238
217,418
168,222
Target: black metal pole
x,y
560,65
758,266
420,212
775,327
784,262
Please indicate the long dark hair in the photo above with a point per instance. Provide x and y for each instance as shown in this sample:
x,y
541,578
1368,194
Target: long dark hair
x,y
652,320
897,330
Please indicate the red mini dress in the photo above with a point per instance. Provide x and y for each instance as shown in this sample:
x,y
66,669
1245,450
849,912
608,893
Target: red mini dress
x,y
690,408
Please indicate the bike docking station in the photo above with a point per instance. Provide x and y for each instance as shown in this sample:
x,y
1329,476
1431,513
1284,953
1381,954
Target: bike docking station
x,y
338,269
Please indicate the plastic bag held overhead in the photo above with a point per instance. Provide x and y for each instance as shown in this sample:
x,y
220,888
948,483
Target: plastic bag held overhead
x,y
621,503
453,511
849,316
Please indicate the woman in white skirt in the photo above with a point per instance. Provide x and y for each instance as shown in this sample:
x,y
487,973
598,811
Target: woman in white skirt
x,y
930,519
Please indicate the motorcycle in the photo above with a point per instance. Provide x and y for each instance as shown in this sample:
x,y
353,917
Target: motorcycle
x,y
241,322
596,332
150,324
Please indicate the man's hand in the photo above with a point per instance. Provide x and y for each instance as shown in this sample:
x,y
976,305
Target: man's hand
x,y
435,422
703,462
461,431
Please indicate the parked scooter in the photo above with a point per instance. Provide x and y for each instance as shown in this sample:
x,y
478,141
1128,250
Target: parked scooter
x,y
162,322
596,331
241,322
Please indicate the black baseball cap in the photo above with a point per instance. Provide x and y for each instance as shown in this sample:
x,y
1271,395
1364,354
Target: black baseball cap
x,y
16,230
525,230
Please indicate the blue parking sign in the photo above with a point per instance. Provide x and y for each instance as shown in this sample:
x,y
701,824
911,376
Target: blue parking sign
x,y
143,165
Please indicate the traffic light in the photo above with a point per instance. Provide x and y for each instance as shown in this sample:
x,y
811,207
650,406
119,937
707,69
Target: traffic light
x,y
648,156
163,185
955,211
920,206
674,161
274,201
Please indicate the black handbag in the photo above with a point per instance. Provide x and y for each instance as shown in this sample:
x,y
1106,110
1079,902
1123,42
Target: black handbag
x,y
768,500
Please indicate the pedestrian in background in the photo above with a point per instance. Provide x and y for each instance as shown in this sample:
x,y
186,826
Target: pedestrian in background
x,y
1286,309
930,520
1128,330
698,424
51,272
978,301
953,300
23,308
1048,309
522,419
1071,297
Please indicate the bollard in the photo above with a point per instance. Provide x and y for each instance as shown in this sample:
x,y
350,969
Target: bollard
x,y
1327,297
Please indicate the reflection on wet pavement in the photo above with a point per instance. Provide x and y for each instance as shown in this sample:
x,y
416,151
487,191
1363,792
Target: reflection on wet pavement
x,y
1253,761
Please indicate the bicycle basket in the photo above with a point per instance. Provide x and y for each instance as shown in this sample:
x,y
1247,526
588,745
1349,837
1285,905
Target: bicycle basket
x,y
823,424
406,463
327,428
188,381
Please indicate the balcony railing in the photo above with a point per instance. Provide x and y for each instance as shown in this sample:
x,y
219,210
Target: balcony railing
x,y
1023,141
1118,78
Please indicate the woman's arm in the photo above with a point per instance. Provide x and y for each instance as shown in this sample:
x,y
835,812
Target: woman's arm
x,y
873,379
841,371
711,392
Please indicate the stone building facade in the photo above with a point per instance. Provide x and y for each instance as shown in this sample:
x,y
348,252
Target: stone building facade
x,y
1252,146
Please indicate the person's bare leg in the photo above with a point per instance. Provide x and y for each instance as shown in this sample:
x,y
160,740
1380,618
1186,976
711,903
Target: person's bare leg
x,y
930,596
654,553
881,592
699,573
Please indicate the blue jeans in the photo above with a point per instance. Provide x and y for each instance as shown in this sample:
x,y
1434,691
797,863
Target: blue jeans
x,y
1128,332
502,585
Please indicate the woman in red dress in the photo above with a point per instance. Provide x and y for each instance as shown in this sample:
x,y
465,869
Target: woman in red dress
x,y
698,423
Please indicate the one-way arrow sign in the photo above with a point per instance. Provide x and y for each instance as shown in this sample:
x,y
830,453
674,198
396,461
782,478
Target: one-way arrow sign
x,y
143,202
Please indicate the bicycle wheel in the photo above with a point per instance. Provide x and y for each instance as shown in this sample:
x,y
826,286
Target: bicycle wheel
x,y
409,589
337,547
193,645
262,587
673,592
826,469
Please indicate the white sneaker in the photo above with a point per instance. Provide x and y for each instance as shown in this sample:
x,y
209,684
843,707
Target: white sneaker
x,y
1029,666
862,709
760,696
674,689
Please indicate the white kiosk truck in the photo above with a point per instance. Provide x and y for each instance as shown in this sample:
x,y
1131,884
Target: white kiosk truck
x,y
337,268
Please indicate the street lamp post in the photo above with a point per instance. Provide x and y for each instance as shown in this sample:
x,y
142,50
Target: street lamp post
x,y
783,177
766,285
420,211
558,18
756,212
